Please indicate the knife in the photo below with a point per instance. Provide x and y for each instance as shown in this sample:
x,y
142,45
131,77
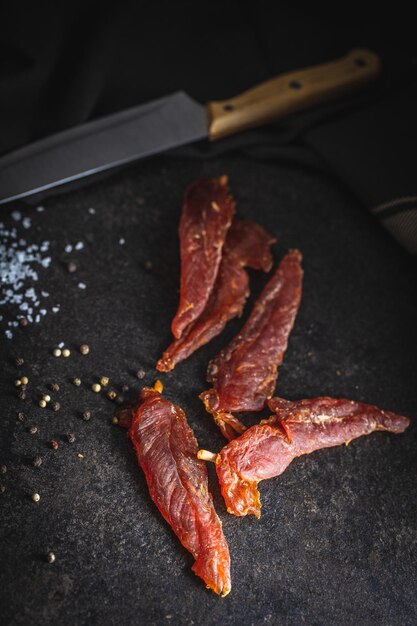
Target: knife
x,y
172,121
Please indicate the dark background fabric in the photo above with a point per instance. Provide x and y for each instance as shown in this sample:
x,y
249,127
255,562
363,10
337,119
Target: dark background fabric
x,y
337,539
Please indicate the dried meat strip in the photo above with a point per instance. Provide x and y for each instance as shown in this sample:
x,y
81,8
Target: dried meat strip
x,y
177,480
247,245
244,374
206,216
266,449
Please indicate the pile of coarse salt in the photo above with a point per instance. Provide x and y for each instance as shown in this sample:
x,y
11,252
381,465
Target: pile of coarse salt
x,y
19,265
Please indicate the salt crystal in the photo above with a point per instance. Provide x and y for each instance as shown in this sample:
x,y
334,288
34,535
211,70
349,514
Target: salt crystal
x,y
122,241
16,215
37,318
68,248
82,285
8,334
92,211
40,209
55,309
79,245
45,294
61,344
26,223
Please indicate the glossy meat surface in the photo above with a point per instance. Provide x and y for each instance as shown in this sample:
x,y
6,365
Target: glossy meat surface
x,y
206,216
266,449
247,245
244,374
177,480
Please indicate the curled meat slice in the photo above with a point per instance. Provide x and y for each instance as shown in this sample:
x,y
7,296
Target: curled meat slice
x,y
177,480
266,449
247,245
205,219
245,372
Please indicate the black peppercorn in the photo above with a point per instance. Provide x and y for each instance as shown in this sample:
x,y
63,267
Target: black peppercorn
x,y
19,361
23,321
2,488
33,430
55,406
37,461
22,394
54,387
124,388
86,416
140,373
3,469
71,437
21,417
119,400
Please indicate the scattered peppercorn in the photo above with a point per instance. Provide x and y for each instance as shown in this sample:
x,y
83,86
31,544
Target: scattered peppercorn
x,y
17,382
111,394
86,416
84,349
96,388
148,265
24,380
46,397
23,321
54,387
54,444
71,267
140,373
23,387
66,352
115,420
3,469
57,352
42,403
124,388
18,361
2,488
21,417
55,406
33,430
119,400
22,394
71,437
50,557
36,497
76,381
37,461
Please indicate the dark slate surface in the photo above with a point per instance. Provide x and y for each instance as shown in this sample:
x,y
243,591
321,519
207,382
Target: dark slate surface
x,y
336,543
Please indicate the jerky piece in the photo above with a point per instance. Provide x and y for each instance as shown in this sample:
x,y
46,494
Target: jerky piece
x,y
266,449
177,480
247,245
244,374
206,217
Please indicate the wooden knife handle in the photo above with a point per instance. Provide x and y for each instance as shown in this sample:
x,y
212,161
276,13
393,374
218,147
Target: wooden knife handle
x,y
292,92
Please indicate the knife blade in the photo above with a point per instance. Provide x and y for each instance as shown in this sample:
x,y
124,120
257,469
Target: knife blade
x,y
172,121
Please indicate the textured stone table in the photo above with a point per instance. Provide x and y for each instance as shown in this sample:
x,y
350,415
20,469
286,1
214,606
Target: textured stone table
x,y
336,543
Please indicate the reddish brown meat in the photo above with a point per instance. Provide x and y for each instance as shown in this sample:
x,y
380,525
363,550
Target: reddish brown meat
x,y
167,452
244,374
297,428
206,216
247,245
